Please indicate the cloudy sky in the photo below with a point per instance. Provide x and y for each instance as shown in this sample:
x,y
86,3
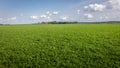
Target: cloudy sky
x,y
31,11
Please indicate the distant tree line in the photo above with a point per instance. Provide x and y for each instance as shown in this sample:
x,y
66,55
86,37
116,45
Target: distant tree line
x,y
55,22
4,24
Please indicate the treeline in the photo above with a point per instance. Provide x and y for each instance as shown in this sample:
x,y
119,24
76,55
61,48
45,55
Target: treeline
x,y
55,22
4,24
112,22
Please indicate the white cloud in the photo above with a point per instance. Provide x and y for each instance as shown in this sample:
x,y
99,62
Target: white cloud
x,y
48,17
64,18
55,12
104,17
34,17
48,13
12,18
114,4
95,7
86,7
110,8
49,20
43,16
88,15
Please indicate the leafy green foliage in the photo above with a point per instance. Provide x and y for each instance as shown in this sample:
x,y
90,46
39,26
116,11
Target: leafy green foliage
x,y
60,46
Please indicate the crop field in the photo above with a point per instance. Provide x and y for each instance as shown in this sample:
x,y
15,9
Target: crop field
x,y
60,46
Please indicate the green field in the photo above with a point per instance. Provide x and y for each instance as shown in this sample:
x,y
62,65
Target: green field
x,y
60,46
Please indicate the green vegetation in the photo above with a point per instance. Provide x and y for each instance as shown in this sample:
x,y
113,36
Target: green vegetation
x,y
60,46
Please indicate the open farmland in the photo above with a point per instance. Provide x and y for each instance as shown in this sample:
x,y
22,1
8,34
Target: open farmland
x,y
60,46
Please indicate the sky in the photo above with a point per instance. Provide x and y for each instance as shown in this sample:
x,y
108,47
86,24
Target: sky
x,y
34,11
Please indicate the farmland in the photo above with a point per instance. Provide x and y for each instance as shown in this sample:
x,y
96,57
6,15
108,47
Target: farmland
x,y
60,46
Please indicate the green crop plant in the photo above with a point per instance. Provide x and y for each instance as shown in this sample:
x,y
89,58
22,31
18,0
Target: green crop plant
x,y
60,46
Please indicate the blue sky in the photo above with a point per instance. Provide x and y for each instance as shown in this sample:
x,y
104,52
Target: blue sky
x,y
31,11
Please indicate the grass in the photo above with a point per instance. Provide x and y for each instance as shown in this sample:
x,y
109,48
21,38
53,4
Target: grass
x,y
60,46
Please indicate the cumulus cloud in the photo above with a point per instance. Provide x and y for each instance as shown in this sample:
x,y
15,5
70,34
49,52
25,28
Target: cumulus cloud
x,y
34,17
43,16
55,12
48,13
88,15
64,18
104,17
48,16
95,7
114,4
110,10
12,18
